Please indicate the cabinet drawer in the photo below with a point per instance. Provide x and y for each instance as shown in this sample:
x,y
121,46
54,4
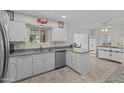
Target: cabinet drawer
x,y
37,57
49,54
24,58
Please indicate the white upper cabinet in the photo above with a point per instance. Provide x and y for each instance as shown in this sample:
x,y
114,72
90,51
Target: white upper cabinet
x,y
59,34
17,31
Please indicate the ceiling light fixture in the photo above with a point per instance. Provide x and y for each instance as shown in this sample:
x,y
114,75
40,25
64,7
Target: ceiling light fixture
x,y
106,29
102,30
63,16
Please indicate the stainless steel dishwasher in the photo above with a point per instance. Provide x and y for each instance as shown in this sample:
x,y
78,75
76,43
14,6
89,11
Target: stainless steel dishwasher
x,y
60,58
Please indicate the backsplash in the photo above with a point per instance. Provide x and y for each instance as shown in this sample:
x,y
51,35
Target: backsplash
x,y
35,45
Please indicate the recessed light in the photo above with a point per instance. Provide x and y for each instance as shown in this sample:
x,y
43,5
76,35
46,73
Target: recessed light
x,y
63,16
106,30
102,30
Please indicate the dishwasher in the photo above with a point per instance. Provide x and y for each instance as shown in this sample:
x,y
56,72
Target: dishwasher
x,y
60,58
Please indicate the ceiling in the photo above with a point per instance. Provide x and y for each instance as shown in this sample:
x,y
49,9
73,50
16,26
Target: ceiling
x,y
88,19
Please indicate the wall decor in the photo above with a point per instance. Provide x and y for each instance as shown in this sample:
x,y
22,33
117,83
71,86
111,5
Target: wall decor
x,y
61,24
42,21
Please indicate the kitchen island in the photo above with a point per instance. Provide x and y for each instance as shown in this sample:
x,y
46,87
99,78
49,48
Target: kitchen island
x,y
78,60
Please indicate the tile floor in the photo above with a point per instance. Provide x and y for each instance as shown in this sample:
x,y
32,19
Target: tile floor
x,y
99,71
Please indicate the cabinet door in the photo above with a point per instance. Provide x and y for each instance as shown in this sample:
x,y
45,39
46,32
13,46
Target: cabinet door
x,y
38,67
92,45
55,34
17,31
73,65
63,36
68,58
59,34
84,63
106,54
114,56
121,57
24,67
50,64
12,70
49,61
100,53
38,64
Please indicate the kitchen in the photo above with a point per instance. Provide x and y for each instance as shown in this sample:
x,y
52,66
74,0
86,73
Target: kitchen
x,y
52,49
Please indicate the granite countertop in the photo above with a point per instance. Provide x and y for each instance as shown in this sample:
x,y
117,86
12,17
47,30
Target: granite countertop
x,y
34,51
47,50
119,47
117,76
79,50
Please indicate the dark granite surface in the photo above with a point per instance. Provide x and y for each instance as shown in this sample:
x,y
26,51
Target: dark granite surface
x,y
117,76
22,52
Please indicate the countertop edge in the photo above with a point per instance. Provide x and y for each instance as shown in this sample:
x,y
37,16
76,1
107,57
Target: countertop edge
x,y
33,53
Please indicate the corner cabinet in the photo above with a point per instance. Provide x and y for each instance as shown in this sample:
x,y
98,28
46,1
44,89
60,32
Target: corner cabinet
x,y
17,31
59,34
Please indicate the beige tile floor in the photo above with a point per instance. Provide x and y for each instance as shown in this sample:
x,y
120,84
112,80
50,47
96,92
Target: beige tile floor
x,y
98,72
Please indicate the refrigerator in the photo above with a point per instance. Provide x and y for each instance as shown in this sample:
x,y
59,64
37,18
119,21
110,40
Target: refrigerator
x,y
4,45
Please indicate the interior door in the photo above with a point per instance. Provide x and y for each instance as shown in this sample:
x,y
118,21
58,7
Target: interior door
x,y
92,45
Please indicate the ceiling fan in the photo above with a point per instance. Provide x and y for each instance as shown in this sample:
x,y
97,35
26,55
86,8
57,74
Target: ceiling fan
x,y
104,26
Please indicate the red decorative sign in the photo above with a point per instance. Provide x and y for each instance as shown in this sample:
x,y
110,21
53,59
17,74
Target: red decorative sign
x,y
42,21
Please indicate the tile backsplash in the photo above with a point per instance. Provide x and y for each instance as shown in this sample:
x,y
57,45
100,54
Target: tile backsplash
x,y
37,45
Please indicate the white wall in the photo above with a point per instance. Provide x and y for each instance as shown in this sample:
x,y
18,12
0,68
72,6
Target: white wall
x,y
33,20
114,33
73,29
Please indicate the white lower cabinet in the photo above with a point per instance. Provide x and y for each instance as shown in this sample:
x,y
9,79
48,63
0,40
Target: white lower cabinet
x,y
43,62
111,54
100,53
121,57
68,58
11,74
21,67
24,67
49,61
38,64
78,62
